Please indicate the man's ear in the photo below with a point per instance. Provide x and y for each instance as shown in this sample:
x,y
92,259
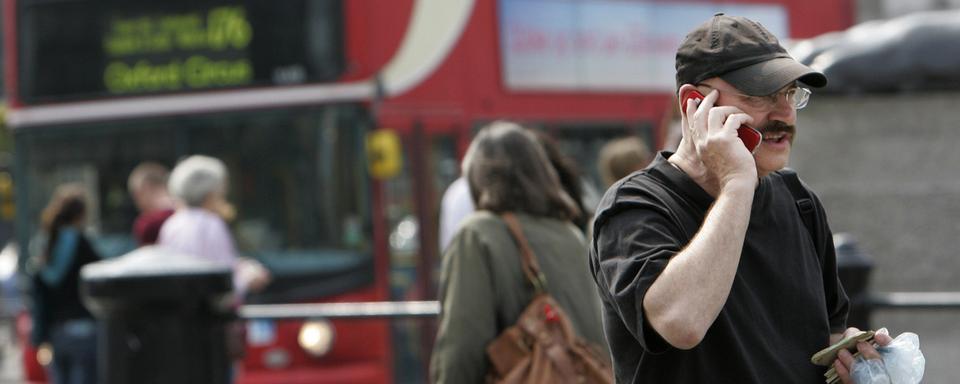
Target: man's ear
x,y
686,91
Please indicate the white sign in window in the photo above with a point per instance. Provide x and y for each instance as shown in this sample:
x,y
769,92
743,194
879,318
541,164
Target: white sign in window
x,y
606,45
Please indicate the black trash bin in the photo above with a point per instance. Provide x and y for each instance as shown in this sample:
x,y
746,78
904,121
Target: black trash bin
x,y
163,317
854,268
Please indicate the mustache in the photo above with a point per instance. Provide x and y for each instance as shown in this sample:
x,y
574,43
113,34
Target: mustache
x,y
776,126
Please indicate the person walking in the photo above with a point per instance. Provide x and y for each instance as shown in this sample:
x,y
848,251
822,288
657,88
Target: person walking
x,y
483,289
707,267
148,187
61,322
621,157
457,204
199,225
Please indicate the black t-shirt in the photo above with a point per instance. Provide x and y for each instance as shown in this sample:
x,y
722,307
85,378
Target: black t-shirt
x,y
785,300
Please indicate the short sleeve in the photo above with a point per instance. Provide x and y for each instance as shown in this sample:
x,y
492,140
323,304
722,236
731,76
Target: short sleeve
x,y
632,248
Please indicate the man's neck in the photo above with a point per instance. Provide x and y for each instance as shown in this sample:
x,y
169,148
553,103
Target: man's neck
x,y
161,203
696,171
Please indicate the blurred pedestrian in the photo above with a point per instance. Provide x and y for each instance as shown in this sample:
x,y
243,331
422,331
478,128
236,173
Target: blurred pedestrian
x,y
483,288
199,228
457,203
621,157
148,187
714,263
60,321
199,225
455,206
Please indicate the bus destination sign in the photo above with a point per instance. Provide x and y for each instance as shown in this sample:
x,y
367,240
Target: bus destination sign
x,y
174,52
75,50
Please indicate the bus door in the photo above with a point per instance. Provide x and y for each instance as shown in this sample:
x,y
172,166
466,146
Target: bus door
x,y
430,164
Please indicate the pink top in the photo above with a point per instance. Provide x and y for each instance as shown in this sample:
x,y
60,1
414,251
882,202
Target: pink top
x,y
202,234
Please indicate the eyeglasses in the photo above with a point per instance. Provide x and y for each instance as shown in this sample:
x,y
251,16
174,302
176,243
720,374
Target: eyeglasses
x,y
797,97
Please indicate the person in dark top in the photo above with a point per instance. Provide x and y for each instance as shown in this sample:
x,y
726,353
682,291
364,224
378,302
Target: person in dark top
x,y
705,267
59,317
148,187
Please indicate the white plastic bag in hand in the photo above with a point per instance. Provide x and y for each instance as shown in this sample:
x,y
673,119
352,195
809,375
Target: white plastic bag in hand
x,y
901,363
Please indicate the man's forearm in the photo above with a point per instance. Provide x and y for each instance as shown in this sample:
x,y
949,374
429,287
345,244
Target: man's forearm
x,y
687,297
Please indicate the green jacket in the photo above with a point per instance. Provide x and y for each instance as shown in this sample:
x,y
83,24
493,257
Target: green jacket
x,y
483,289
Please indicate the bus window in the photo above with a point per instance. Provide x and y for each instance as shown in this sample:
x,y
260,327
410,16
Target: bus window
x,y
297,178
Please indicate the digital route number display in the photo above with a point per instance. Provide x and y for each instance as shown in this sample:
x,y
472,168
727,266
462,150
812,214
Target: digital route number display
x,y
86,49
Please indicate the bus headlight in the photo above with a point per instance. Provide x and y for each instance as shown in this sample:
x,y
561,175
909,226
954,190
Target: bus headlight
x,y
44,354
316,337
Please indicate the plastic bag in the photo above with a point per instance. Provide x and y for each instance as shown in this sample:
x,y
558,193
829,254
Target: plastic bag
x,y
901,363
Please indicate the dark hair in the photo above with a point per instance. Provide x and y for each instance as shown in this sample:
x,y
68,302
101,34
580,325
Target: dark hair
x,y
507,170
567,172
67,206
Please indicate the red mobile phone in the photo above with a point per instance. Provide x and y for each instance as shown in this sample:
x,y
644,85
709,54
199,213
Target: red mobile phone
x,y
751,137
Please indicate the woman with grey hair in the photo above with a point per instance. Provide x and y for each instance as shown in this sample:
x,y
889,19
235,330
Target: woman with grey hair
x,y
483,287
199,228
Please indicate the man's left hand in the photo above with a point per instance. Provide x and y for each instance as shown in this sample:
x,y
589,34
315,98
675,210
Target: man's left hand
x,y
845,360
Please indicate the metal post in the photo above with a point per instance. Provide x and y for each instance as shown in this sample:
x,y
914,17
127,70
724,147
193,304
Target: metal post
x,y
368,310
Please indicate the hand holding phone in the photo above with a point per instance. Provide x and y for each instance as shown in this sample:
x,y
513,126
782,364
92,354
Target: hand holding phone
x,y
751,137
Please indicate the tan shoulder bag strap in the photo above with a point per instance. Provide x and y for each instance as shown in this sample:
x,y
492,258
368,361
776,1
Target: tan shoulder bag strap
x,y
530,266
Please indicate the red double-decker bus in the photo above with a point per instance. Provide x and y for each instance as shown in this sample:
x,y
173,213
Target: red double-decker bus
x,y
304,99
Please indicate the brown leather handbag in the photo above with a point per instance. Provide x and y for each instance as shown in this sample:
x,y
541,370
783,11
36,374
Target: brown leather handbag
x,y
542,347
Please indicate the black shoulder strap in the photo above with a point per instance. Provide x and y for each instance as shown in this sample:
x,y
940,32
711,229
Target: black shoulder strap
x,y
804,201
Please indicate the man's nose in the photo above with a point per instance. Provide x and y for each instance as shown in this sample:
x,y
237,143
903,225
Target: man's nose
x,y
783,110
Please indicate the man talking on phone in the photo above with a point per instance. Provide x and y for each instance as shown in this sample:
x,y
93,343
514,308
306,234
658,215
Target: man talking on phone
x,y
714,264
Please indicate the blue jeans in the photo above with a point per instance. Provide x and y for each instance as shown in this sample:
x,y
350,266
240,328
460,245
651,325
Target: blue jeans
x,y
74,345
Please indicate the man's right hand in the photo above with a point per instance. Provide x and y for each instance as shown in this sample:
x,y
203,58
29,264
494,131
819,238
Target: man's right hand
x,y
712,131
687,297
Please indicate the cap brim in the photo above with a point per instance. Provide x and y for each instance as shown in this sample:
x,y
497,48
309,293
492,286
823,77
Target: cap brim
x,y
770,76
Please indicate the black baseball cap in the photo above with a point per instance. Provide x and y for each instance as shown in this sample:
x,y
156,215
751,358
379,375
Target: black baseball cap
x,y
743,53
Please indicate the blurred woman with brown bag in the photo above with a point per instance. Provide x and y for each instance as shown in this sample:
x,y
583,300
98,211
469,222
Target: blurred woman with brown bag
x,y
484,289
